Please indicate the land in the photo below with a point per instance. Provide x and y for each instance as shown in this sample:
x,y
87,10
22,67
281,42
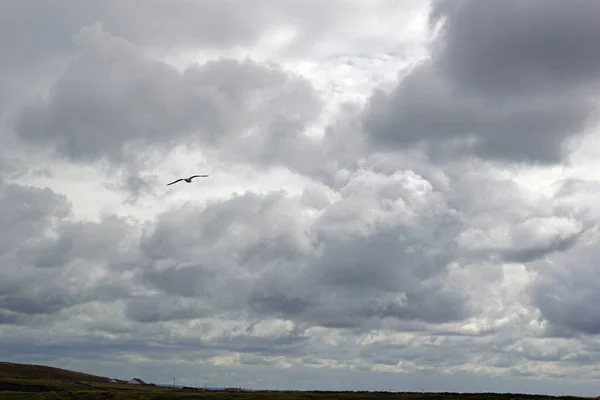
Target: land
x,y
38,382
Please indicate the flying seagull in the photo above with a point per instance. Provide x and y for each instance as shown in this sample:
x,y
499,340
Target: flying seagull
x,y
188,180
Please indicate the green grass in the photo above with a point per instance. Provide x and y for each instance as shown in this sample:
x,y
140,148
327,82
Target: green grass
x,y
37,382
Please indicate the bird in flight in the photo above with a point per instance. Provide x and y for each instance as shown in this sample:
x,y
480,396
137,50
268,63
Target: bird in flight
x,y
188,180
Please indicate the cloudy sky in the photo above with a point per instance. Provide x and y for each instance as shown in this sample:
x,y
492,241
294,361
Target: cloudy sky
x,y
402,194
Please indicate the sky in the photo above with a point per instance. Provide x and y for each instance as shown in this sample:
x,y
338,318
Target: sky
x,y
402,194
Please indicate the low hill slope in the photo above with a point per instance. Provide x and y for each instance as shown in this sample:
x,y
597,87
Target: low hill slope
x,y
29,371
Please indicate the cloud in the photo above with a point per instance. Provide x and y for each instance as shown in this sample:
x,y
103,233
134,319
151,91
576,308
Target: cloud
x,y
346,265
210,25
53,262
113,99
325,266
495,83
374,219
566,285
521,228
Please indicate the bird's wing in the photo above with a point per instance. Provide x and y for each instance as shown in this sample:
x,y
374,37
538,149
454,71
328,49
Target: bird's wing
x,y
174,182
198,176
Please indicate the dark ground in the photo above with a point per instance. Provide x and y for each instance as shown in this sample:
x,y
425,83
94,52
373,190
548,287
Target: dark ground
x,y
36,382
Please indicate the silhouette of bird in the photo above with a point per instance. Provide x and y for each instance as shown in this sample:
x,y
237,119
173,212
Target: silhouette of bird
x,y
188,180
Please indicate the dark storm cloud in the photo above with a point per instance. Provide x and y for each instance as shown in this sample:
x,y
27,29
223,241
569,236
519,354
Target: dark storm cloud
x,y
518,47
496,83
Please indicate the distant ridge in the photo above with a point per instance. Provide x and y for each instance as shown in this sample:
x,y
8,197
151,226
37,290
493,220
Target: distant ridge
x,y
32,371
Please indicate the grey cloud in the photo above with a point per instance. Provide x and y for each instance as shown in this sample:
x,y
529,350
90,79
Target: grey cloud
x,y
517,47
554,236
535,251
290,342
575,186
363,261
527,240
113,101
314,272
133,180
47,253
576,196
27,211
499,352
505,223
495,85
273,301
51,262
537,350
37,45
185,280
32,41
36,302
178,24
443,352
194,232
7,317
566,290
385,257
80,240
354,266
394,269
55,292
14,168
154,309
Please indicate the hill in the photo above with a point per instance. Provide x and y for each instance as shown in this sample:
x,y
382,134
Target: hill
x,y
31,371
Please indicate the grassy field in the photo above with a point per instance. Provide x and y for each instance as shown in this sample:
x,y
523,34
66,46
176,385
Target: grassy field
x,y
36,382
